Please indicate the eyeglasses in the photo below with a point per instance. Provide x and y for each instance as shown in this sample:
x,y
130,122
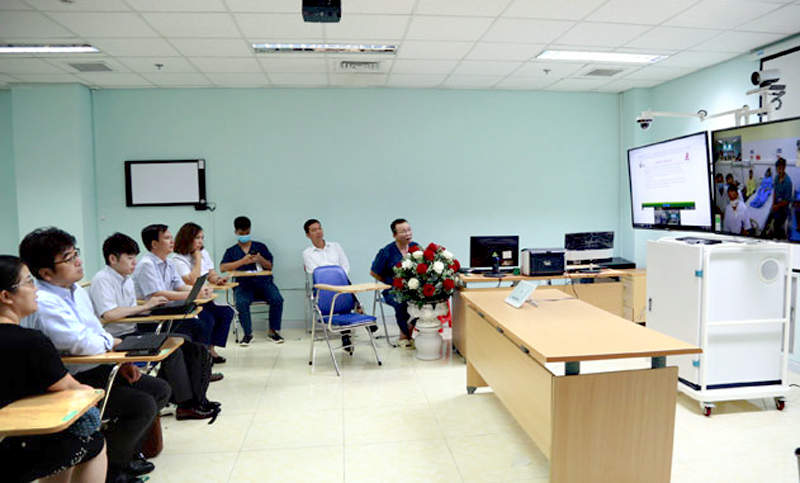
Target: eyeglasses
x,y
27,282
72,258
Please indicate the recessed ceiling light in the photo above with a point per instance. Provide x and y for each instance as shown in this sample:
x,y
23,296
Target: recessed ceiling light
x,y
47,49
325,48
617,57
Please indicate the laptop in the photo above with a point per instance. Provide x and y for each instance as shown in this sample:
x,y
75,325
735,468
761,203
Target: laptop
x,y
179,307
144,344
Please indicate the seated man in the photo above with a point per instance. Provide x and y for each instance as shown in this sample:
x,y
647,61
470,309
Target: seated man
x,y
737,220
67,318
321,252
382,270
248,255
188,369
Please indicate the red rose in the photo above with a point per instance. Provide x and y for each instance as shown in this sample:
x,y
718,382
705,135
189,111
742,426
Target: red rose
x,y
428,290
422,268
455,266
432,247
399,264
429,255
413,248
397,283
449,284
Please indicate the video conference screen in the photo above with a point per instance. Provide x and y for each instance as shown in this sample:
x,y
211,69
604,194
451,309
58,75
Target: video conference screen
x,y
671,185
756,174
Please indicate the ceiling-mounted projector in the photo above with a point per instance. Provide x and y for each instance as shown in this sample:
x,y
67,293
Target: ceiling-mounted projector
x,y
322,10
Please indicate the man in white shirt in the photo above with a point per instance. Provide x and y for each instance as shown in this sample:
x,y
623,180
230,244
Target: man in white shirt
x,y
737,220
322,253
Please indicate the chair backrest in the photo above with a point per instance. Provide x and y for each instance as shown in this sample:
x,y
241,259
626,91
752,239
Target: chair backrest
x,y
333,275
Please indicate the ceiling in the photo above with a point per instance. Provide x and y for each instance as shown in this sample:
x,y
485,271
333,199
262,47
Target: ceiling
x,y
471,44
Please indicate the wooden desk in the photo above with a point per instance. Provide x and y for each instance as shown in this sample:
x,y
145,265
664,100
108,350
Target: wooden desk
x,y
206,300
601,427
243,273
120,358
46,413
225,286
155,319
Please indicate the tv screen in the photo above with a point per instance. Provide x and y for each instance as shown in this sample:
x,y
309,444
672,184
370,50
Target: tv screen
x,y
482,250
671,184
755,176
165,183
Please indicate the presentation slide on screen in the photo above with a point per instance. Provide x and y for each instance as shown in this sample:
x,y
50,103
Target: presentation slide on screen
x,y
670,183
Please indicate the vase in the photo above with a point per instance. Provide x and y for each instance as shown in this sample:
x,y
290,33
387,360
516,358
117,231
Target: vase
x,y
429,340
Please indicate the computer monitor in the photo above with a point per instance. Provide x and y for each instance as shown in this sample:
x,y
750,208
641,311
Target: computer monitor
x,y
594,246
756,149
671,184
483,248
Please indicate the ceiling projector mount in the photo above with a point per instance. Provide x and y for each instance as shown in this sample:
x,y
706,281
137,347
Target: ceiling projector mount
x,y
322,10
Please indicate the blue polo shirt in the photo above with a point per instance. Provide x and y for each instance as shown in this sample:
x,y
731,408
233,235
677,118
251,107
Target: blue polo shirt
x,y
783,189
236,253
386,259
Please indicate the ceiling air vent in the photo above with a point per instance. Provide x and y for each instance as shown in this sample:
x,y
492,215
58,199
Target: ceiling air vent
x,y
91,67
359,66
602,72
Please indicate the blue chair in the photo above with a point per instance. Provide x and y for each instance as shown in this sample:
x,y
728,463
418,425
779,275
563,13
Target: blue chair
x,y
335,313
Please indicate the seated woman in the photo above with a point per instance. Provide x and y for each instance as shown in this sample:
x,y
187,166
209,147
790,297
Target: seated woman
x,y
32,366
192,261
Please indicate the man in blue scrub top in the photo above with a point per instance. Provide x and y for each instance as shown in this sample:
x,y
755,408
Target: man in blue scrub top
x,y
782,198
383,270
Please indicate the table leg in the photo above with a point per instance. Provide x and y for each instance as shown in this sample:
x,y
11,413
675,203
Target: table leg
x,y
474,380
110,383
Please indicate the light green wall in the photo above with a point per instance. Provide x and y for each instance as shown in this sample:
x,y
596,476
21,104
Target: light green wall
x,y
9,230
455,163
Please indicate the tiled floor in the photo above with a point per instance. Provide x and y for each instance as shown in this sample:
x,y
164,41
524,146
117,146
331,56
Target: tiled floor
x,y
412,420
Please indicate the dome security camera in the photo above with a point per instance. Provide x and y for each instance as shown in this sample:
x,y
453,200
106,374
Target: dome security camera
x,y
644,122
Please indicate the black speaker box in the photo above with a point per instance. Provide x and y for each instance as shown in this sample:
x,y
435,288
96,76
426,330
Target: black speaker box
x,y
322,10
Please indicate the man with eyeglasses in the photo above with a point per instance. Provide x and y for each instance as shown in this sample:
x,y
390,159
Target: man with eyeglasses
x,y
383,271
66,316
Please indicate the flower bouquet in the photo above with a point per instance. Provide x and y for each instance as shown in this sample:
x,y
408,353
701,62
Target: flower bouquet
x,y
425,276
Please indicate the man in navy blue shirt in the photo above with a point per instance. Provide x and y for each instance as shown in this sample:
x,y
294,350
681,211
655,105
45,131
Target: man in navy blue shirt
x,y
383,270
251,256
781,198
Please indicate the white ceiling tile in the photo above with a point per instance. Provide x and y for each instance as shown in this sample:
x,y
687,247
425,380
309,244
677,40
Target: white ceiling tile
x,y
504,51
115,79
623,85
639,11
410,49
238,79
26,25
549,69
280,27
238,65
177,5
583,47
388,7
672,38
178,80
261,6
552,9
486,67
298,80
193,25
603,34
79,6
658,73
27,66
14,5
721,14
149,64
409,67
527,83
577,84
367,27
213,47
357,80
294,65
784,20
409,80
695,60
472,81
526,31
736,42
134,47
111,24
447,28
466,8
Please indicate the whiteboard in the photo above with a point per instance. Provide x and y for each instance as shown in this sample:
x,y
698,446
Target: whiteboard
x,y
165,183
788,63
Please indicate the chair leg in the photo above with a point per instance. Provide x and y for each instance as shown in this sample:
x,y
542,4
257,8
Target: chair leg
x,y
374,346
312,350
333,355
386,330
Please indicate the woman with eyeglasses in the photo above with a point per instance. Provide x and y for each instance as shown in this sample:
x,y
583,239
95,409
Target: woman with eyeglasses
x,y
32,366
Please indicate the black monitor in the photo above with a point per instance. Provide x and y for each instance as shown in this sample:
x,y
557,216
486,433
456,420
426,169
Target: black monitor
x,y
482,250
671,184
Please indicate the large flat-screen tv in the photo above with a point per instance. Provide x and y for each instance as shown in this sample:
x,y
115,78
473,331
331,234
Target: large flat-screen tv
x,y
670,184
756,174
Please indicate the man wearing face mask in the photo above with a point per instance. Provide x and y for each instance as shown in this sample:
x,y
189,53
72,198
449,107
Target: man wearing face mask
x,y
249,255
737,220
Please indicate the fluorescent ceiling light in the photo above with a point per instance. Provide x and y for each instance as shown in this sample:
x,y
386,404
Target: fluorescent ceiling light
x,y
47,49
325,48
616,57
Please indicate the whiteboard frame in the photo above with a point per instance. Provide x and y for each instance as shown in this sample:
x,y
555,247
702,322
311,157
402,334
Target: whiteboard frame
x,y
201,180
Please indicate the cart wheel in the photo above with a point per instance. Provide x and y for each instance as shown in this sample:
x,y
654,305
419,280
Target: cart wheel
x,y
707,411
780,403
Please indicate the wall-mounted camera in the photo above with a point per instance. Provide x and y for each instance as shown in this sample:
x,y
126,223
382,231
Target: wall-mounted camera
x,y
644,122
764,78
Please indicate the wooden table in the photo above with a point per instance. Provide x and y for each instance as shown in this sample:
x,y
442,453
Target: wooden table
x,y
156,319
120,358
46,413
600,427
244,273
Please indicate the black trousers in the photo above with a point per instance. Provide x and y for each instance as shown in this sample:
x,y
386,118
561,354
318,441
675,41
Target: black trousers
x,y
131,409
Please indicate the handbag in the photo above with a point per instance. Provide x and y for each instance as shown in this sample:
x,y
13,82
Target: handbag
x,y
86,425
154,441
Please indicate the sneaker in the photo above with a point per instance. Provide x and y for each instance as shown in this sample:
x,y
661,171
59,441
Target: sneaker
x,y
275,338
246,340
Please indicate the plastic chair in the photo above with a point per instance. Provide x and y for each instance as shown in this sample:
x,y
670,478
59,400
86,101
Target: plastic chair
x,y
335,312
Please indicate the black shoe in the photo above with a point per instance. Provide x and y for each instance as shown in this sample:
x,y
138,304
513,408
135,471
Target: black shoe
x,y
210,405
140,467
218,360
193,413
246,340
373,328
275,338
217,376
347,343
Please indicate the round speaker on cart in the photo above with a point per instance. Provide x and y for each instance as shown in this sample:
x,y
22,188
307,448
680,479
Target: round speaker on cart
x,y
769,270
